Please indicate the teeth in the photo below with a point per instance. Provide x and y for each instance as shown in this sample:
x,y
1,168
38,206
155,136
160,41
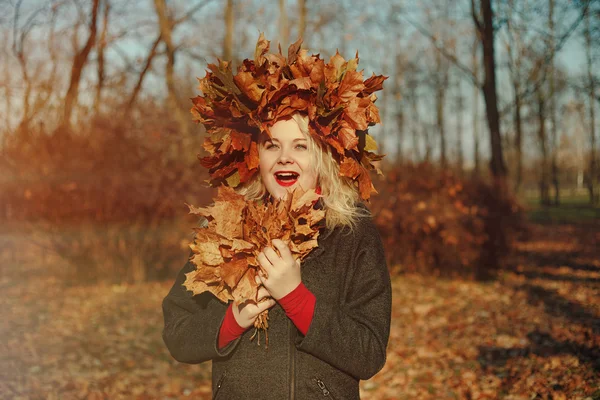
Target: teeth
x,y
286,175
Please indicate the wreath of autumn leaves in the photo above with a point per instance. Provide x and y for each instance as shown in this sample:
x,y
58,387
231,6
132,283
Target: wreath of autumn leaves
x,y
236,109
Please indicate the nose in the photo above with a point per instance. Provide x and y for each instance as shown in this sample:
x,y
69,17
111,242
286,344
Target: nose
x,y
285,158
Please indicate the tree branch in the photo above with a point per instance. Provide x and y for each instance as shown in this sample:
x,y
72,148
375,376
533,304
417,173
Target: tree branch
x,y
442,50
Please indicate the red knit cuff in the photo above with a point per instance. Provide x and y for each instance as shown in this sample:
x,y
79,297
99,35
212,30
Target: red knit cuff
x,y
230,329
299,306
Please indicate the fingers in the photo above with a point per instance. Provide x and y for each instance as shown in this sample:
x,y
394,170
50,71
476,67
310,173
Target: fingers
x,y
284,250
265,265
270,254
262,293
265,305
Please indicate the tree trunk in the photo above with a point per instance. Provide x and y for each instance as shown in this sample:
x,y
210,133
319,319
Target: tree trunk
x,y
552,110
518,134
415,121
79,62
497,165
441,82
591,181
428,145
495,239
229,28
439,106
24,124
399,109
476,90
543,182
284,28
460,105
302,18
7,98
100,49
165,31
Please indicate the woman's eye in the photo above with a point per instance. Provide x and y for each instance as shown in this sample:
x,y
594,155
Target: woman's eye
x,y
270,145
301,147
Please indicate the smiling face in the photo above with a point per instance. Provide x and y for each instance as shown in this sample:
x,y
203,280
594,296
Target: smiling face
x,y
285,161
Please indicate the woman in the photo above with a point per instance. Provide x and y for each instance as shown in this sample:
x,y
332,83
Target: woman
x,y
329,319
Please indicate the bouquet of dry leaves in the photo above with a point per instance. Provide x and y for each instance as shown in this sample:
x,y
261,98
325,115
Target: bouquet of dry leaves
x,y
225,251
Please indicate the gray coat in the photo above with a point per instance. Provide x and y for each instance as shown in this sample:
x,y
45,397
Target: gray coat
x,y
346,341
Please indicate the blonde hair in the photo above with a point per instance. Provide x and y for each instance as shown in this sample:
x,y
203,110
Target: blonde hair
x,y
340,195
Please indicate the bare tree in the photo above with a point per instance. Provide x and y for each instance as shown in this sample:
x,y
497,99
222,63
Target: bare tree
x,y
552,111
541,104
440,76
400,104
411,98
485,32
100,49
140,80
592,174
284,26
301,18
476,90
460,110
229,28
20,35
514,50
166,29
79,62
154,51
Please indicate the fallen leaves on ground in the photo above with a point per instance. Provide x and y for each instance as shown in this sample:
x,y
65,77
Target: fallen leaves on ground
x,y
532,334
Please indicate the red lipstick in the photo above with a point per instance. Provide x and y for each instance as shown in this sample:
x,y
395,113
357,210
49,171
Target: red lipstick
x,y
286,178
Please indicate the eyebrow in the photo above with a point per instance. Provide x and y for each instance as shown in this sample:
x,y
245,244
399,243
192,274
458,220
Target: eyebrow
x,y
277,140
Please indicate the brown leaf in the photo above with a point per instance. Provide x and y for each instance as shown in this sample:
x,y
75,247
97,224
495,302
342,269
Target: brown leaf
x,y
351,85
347,136
233,270
293,51
334,70
249,86
350,168
262,47
373,84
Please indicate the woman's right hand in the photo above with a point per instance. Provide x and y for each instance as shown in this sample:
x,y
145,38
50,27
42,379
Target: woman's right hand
x,y
245,313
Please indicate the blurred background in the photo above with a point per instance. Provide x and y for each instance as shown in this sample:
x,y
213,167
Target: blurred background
x,y
488,207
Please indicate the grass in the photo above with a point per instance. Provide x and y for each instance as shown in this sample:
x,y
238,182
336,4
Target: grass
x,y
573,208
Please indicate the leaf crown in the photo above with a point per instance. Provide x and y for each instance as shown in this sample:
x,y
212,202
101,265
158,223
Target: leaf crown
x,y
236,109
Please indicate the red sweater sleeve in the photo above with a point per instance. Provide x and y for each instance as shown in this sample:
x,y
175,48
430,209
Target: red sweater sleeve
x,y
230,330
299,306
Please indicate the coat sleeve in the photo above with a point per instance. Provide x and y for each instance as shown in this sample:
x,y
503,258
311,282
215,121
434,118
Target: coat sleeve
x,y
353,336
192,323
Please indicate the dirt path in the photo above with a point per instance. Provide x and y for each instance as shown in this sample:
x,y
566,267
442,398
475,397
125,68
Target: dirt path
x,y
534,333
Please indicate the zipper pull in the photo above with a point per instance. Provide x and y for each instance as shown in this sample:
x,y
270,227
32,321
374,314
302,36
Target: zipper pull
x,y
221,379
323,388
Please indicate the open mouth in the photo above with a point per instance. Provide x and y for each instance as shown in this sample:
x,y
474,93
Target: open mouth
x,y
287,178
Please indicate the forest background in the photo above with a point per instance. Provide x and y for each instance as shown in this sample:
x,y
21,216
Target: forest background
x,y
488,203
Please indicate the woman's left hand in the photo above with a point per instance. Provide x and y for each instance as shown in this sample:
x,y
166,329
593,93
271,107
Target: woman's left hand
x,y
283,273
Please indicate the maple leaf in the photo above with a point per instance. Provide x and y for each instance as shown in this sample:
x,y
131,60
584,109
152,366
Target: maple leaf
x,y
351,85
249,86
262,47
224,253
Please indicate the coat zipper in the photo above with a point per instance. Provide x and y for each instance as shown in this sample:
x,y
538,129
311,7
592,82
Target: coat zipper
x,y
292,361
219,384
323,387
